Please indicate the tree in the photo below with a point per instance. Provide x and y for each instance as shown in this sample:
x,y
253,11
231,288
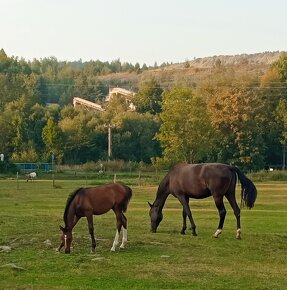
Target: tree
x,y
281,118
133,138
149,97
236,115
81,132
185,133
271,93
281,67
52,138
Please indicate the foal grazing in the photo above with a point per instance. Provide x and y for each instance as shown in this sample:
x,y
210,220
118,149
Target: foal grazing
x,y
86,202
199,181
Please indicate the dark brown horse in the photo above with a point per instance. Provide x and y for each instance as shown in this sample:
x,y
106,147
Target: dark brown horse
x,y
199,181
86,202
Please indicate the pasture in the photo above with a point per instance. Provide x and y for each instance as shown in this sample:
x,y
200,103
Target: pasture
x,y
29,226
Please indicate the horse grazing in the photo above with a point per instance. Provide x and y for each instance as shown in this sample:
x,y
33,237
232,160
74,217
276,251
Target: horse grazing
x,y
31,176
199,181
86,202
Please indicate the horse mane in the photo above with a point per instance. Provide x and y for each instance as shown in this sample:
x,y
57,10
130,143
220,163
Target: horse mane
x,y
68,203
162,190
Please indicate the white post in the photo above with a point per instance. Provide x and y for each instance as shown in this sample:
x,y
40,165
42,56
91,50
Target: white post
x,y
109,141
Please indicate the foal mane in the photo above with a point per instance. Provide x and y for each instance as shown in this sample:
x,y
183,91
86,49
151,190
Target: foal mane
x,y
69,201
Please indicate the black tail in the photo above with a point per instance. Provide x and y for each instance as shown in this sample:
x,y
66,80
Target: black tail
x,y
248,189
128,197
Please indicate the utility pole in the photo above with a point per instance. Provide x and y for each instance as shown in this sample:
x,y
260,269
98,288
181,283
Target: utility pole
x,y
109,126
284,156
109,141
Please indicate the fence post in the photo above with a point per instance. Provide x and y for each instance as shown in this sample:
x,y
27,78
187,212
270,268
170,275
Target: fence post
x,y
17,180
53,180
139,179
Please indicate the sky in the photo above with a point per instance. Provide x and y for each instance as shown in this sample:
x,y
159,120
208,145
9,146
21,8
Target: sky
x,y
149,31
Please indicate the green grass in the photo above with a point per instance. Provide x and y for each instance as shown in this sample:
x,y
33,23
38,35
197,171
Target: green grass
x,y
165,260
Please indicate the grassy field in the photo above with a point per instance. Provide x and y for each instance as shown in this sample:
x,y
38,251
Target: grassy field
x,y
29,225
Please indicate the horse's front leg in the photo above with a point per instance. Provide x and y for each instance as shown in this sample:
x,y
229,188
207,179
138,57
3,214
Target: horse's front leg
x,y
184,215
125,231
184,201
91,230
60,247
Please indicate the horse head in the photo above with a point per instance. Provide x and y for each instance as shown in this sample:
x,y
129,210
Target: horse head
x,y
156,216
66,238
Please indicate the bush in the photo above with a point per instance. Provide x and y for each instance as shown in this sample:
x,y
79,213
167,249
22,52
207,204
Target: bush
x,y
263,175
111,166
7,167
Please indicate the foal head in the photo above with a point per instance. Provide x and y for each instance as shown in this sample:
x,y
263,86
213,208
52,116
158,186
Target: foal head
x,y
156,217
66,238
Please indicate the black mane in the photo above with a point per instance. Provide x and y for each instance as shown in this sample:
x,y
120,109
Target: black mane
x,y
69,200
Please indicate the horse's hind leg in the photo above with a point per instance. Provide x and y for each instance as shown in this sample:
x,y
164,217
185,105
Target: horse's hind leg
x,y
236,210
125,231
91,230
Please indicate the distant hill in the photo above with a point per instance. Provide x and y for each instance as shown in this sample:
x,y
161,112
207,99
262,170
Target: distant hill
x,y
192,70
257,58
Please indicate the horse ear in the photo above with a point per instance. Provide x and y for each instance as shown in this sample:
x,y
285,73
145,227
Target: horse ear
x,y
61,228
149,204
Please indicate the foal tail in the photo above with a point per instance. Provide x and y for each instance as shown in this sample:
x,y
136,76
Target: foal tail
x,y
129,194
248,189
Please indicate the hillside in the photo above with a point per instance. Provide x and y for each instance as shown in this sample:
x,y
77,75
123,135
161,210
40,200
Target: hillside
x,y
192,70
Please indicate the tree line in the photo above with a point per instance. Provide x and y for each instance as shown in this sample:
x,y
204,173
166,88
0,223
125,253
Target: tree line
x,y
227,117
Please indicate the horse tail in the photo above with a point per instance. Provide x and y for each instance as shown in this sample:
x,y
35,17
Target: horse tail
x,y
128,197
248,189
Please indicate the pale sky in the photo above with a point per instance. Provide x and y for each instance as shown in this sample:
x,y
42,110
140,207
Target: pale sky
x,y
145,31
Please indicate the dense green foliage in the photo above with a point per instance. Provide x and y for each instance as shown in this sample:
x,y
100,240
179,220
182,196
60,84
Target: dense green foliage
x,y
30,218
223,117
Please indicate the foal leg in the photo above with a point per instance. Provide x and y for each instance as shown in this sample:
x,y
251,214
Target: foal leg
x,y
236,210
119,226
91,230
222,213
125,231
186,208
184,215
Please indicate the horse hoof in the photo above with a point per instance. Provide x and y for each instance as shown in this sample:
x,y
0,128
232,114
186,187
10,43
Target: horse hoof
x,y
217,233
194,234
238,234
182,232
